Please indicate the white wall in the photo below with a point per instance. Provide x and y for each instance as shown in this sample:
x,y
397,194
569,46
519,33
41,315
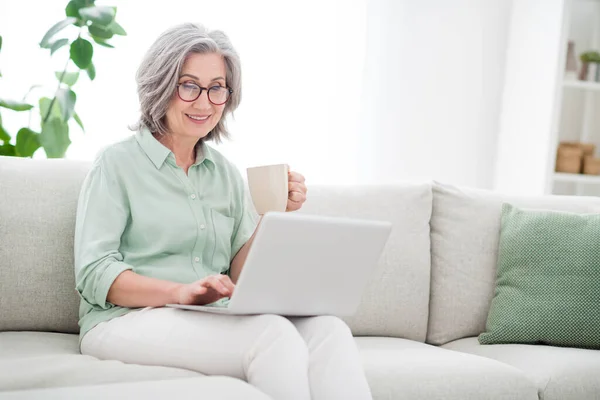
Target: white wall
x,y
308,54
535,68
411,89
433,77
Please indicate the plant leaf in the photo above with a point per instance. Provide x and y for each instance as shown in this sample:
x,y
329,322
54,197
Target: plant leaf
x,y
69,78
102,15
0,42
99,31
117,29
66,98
45,42
45,104
81,53
28,142
4,136
15,105
55,138
91,71
101,42
72,9
7,150
57,45
78,120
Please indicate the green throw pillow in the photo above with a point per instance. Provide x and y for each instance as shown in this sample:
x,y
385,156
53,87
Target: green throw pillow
x,y
548,280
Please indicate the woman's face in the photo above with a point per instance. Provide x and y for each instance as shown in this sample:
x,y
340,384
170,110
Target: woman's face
x,y
195,119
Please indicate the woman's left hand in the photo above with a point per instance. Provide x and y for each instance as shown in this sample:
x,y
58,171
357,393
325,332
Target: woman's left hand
x,y
296,191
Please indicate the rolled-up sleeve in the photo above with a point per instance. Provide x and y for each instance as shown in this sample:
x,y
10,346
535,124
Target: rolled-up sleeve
x,y
102,215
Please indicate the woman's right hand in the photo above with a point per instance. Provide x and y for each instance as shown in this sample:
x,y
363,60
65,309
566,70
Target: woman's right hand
x,y
205,291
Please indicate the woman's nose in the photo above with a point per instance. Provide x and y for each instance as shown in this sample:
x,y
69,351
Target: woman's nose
x,y
202,101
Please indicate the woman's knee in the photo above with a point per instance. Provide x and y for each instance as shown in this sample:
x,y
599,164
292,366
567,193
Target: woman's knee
x,y
279,336
317,328
279,327
332,324
282,329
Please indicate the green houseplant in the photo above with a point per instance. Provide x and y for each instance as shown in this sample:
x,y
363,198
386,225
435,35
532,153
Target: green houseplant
x,y
588,58
94,26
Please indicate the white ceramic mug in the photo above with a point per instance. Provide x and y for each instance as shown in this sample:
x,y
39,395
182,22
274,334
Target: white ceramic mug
x,y
268,187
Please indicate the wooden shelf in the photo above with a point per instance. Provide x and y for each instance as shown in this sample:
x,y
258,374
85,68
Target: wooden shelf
x,y
576,178
582,85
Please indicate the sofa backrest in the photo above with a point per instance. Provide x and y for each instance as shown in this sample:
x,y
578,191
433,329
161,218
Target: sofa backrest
x,y
38,202
434,282
465,232
395,302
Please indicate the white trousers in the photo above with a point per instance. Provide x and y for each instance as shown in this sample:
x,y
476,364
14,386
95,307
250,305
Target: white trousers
x,y
297,358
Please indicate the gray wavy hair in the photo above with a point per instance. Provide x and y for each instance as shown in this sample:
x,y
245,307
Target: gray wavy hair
x,y
158,74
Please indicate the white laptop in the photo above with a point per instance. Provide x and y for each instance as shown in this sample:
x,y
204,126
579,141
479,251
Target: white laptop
x,y
304,265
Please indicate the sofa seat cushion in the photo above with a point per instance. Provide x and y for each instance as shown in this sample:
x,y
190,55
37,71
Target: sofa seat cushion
x,y
558,372
30,360
405,369
213,387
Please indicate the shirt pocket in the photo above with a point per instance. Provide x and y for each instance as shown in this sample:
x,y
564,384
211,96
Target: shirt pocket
x,y
222,231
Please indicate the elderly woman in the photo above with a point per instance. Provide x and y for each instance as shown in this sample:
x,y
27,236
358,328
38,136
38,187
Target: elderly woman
x,y
163,218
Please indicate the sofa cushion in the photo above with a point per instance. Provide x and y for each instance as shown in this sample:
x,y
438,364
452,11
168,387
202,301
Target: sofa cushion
x,y
548,284
465,230
403,369
39,200
559,373
30,360
395,302
214,388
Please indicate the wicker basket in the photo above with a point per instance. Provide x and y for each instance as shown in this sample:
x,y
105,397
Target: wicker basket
x,y
591,166
569,159
588,148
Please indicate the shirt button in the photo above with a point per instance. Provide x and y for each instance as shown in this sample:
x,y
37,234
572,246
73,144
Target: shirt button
x,y
197,259
193,196
202,226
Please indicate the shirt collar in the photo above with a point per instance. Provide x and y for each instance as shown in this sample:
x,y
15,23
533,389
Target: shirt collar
x,y
158,153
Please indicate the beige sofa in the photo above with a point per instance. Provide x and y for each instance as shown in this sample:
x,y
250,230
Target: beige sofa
x,y
416,328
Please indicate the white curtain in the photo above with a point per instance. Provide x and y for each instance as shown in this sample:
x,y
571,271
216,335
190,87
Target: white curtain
x,y
433,78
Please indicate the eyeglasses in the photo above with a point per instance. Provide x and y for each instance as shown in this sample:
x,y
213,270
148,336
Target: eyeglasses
x,y
217,95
